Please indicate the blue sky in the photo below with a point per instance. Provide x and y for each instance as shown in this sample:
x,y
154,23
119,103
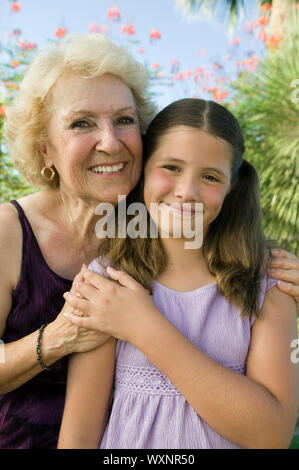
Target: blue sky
x,y
180,38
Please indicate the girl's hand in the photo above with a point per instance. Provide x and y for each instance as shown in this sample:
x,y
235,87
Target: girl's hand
x,y
115,308
285,267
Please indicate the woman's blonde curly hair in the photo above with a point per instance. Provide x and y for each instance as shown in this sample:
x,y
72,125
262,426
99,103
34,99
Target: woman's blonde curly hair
x,y
91,55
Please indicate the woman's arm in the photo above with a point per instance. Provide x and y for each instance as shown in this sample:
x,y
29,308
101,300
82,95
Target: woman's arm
x,y
89,385
59,338
255,411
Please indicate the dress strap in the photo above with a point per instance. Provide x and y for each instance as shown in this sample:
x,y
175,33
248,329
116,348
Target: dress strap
x,y
25,224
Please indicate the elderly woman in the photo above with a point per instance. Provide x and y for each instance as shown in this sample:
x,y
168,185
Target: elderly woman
x,y
75,129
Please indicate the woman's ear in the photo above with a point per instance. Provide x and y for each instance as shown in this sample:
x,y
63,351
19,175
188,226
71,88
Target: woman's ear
x,y
44,153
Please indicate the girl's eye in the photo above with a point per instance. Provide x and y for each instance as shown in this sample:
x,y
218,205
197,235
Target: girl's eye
x,y
125,120
80,124
172,168
211,178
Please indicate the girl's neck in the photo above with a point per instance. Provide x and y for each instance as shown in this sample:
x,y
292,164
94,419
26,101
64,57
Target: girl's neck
x,y
186,269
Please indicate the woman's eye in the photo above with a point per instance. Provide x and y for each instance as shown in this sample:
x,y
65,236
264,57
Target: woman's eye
x,y
124,120
81,124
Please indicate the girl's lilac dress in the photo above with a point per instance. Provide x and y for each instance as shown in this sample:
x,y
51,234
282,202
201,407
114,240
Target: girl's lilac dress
x,y
148,412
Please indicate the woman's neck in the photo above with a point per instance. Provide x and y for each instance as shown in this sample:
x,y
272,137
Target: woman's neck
x,y
78,215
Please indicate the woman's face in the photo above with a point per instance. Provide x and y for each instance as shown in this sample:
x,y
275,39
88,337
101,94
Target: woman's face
x,y
94,139
188,166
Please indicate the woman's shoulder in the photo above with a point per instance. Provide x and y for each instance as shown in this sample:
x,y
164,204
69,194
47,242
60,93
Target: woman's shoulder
x,y
11,242
10,228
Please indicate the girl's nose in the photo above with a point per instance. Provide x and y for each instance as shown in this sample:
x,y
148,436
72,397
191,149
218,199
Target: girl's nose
x,y
108,139
187,189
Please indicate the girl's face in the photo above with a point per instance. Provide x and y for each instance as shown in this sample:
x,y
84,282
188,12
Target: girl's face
x,y
188,166
94,137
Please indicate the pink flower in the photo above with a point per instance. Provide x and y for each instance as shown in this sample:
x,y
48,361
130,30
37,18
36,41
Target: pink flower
x,y
155,65
60,32
95,27
17,32
155,34
129,29
141,51
15,7
113,13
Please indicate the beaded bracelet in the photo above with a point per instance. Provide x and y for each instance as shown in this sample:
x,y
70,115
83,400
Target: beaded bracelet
x,y
38,348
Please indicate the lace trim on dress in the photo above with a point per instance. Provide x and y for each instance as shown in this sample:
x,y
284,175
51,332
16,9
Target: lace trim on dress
x,y
150,380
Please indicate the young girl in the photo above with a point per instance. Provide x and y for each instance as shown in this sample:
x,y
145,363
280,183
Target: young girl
x,y
204,362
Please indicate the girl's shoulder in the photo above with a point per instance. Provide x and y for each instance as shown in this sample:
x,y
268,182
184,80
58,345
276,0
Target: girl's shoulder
x,y
98,267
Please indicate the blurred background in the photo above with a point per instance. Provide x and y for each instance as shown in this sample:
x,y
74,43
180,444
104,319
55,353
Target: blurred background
x,y
242,53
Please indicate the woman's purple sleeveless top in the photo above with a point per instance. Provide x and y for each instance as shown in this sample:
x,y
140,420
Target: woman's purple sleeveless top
x,y
30,416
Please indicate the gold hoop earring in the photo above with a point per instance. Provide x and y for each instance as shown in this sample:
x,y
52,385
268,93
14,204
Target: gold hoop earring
x,y
46,175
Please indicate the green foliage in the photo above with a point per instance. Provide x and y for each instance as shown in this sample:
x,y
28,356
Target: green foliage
x,y
268,110
15,60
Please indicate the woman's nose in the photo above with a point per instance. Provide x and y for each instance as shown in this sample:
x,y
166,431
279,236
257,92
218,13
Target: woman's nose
x,y
108,139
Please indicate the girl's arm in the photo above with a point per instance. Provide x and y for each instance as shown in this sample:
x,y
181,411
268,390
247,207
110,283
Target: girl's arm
x,y
257,410
89,385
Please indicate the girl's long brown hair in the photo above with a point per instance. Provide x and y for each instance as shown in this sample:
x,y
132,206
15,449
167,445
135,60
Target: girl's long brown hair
x,y
235,247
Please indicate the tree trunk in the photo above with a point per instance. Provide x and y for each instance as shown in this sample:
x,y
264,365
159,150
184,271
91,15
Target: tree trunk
x,y
282,12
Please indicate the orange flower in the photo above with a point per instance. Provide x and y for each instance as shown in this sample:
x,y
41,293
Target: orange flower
x,y
2,111
155,34
15,63
235,41
265,7
15,7
218,95
60,32
188,73
161,74
262,35
10,84
274,40
155,65
263,20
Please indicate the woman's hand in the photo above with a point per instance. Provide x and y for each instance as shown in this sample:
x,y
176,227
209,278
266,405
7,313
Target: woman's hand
x,y
284,266
115,308
63,335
